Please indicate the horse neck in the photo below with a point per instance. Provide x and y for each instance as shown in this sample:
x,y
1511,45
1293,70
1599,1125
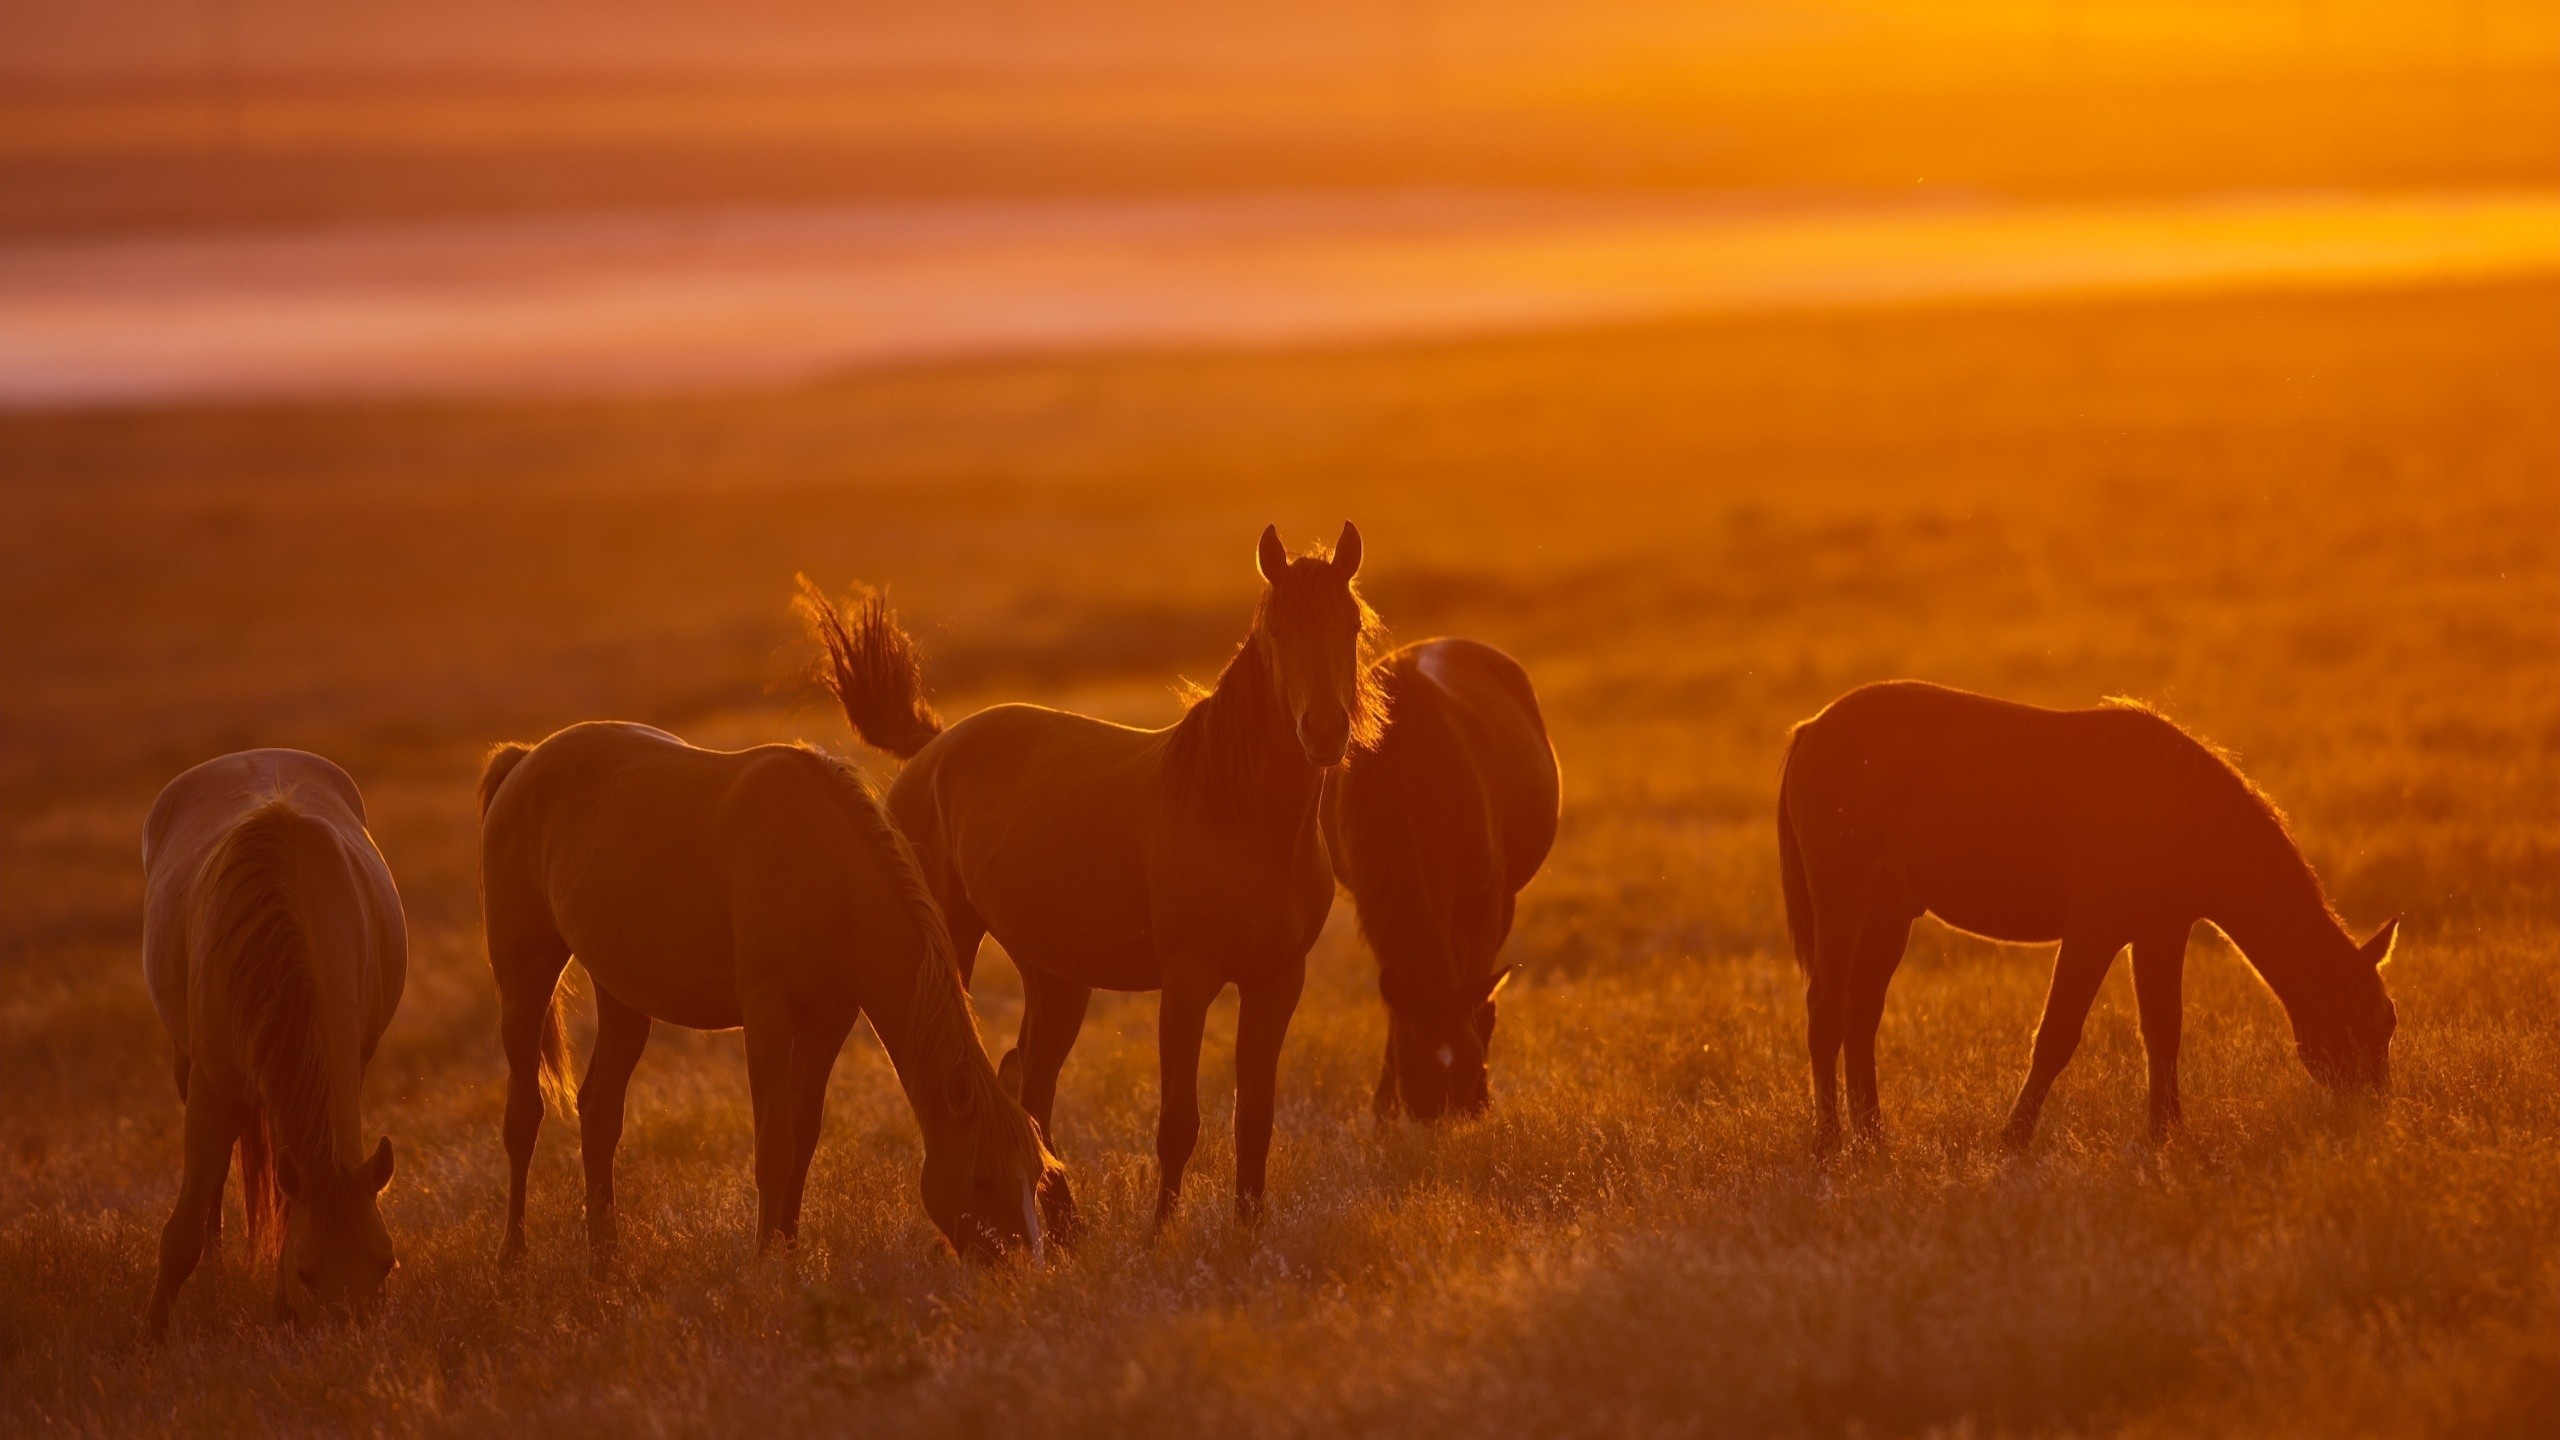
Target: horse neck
x,y
1238,753
921,1017
2275,913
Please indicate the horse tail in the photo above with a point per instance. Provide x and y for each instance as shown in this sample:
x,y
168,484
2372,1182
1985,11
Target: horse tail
x,y
1791,870
261,1193
559,1087
502,762
873,669
246,921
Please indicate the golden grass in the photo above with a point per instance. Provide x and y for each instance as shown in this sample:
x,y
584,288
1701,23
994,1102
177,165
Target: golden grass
x,y
2318,529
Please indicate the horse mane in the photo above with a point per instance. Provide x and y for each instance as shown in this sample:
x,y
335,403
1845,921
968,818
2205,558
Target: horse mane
x,y
243,914
1218,751
2224,767
941,1024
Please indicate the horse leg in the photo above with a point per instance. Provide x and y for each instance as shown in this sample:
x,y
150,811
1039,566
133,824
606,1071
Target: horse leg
x,y
2077,973
813,1059
1052,1015
1388,1103
527,957
968,932
769,1047
215,1119
1263,1009
621,1034
2159,976
1826,1014
1880,945
1181,1014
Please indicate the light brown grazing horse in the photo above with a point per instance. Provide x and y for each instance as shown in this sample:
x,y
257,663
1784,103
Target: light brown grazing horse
x,y
1434,830
275,948
713,889
2098,828
1104,857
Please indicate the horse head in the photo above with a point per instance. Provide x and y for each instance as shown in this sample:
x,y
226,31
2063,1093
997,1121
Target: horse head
x,y
1439,1046
337,1255
1314,632
990,1184
2346,1042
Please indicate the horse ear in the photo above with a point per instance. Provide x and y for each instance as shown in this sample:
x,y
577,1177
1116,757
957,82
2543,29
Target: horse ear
x,y
2378,949
958,1095
381,1166
288,1176
1271,557
1009,1074
1346,551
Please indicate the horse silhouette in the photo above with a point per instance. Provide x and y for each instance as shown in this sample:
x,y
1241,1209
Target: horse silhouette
x,y
276,950
2097,828
1434,830
759,889
1102,856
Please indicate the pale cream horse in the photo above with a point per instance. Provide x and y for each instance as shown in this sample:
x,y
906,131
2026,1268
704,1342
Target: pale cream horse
x,y
715,890
275,948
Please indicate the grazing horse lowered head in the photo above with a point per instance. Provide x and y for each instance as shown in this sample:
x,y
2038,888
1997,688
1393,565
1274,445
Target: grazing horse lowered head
x,y
2097,828
275,949
1182,860
759,889
1434,830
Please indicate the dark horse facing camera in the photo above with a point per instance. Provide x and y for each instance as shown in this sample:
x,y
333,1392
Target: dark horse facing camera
x,y
1434,830
2096,828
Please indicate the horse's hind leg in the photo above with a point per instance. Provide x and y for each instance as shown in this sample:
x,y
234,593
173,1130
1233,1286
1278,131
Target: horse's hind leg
x,y
1052,1015
1881,941
2077,973
526,955
621,1034
215,1118
1826,1009
2159,975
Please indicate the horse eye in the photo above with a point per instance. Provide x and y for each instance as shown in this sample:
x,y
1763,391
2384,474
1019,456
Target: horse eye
x,y
309,1275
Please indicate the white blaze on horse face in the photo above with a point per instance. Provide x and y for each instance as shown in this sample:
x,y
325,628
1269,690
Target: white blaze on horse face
x,y
1448,1057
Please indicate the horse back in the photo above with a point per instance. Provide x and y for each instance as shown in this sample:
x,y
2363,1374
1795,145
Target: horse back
x,y
2005,819
333,879
1491,718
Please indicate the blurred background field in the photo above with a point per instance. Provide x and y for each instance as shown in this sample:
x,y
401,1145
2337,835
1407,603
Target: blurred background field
x,y
2313,521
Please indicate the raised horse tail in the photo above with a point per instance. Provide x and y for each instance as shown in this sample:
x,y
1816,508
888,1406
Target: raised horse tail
x,y
873,670
501,763
1791,873
245,917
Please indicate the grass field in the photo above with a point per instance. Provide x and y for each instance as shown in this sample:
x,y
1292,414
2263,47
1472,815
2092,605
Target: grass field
x,y
2319,528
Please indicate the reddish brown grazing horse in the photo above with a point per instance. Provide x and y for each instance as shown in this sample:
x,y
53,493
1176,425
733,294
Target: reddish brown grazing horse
x,y
2097,828
275,949
1434,830
1104,857
758,889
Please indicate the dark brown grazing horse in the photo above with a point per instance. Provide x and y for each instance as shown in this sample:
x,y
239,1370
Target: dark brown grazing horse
x,y
2097,828
1434,830
1105,857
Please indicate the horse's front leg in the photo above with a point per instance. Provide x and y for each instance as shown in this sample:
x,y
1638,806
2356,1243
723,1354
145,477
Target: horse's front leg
x,y
2077,973
215,1118
770,1030
1262,1022
2159,980
1181,1014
